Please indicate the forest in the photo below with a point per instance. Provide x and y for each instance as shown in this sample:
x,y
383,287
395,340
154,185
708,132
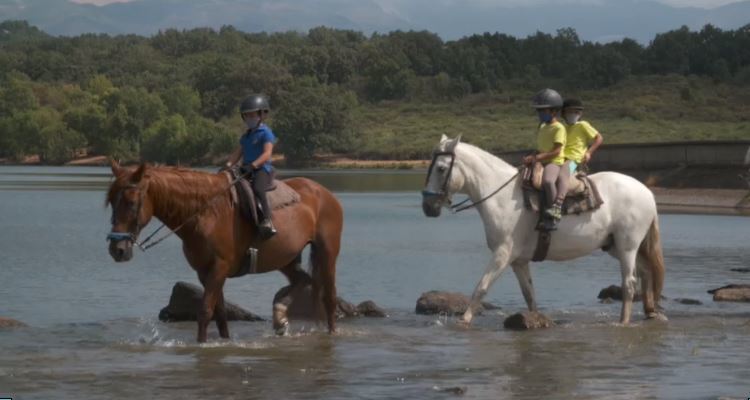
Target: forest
x,y
172,97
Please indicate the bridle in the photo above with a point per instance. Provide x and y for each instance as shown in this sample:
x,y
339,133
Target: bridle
x,y
144,245
443,191
131,235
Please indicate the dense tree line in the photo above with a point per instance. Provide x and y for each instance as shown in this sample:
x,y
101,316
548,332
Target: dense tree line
x,y
172,97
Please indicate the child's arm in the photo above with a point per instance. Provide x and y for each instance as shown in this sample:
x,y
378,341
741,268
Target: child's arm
x,y
265,156
598,139
548,155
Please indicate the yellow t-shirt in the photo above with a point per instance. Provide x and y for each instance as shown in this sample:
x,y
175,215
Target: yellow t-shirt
x,y
548,135
580,135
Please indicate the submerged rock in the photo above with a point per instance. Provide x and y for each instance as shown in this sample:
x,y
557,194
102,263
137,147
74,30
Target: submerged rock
x,y
186,299
690,302
740,269
457,390
734,292
10,323
527,320
614,292
440,302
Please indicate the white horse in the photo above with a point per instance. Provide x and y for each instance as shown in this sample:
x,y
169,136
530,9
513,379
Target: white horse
x,y
626,224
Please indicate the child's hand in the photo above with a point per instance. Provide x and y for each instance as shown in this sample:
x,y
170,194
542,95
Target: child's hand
x,y
586,157
528,160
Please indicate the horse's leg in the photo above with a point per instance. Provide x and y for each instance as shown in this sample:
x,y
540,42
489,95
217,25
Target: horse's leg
x,y
324,264
221,316
298,280
213,284
647,292
522,272
627,269
494,268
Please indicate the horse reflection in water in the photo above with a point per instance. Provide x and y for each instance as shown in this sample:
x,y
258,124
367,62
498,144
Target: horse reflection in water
x,y
215,237
626,225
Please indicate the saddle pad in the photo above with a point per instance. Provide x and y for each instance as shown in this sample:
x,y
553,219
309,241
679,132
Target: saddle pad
x,y
586,200
280,195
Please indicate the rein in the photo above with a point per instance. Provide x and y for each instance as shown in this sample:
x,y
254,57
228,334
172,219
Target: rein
x,y
457,208
116,236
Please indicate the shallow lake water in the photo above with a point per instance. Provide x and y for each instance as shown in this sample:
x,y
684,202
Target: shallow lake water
x,y
93,329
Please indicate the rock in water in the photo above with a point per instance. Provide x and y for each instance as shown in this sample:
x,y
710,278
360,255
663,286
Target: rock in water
x,y
527,320
302,307
370,309
690,302
439,302
733,292
187,298
10,323
614,292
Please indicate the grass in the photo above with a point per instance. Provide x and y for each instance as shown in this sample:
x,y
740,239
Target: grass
x,y
639,110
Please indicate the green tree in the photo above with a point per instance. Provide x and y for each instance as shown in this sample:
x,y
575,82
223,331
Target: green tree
x,y
314,118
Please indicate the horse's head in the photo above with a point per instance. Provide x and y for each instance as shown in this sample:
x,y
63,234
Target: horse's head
x,y
131,209
442,178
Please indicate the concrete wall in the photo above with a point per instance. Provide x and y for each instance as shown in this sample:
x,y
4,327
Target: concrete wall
x,y
685,164
663,155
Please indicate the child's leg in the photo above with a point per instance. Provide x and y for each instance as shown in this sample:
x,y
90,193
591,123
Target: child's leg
x,y
261,181
549,179
563,180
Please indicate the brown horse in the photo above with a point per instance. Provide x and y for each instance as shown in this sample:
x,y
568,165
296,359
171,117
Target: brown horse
x,y
215,237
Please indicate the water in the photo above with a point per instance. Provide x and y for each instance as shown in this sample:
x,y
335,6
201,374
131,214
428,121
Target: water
x,y
93,331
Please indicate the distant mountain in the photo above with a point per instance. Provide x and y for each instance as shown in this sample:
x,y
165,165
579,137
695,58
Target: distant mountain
x,y
599,21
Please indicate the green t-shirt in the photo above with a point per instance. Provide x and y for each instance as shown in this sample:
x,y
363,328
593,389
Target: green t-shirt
x,y
580,135
548,135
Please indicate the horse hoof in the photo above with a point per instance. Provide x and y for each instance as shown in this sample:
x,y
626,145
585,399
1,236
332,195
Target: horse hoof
x,y
282,330
463,323
657,316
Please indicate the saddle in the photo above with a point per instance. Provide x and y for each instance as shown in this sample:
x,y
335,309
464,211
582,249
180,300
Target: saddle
x,y
582,196
280,195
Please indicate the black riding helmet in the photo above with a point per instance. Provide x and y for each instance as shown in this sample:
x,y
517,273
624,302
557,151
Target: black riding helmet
x,y
547,98
574,104
254,102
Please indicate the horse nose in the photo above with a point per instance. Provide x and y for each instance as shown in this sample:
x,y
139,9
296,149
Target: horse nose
x,y
119,253
430,210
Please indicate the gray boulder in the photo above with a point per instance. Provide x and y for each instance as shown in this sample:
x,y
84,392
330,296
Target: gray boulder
x,y
186,299
451,303
527,320
732,292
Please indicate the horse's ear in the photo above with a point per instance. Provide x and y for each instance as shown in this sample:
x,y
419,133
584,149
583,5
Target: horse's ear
x,y
139,173
115,166
443,138
453,143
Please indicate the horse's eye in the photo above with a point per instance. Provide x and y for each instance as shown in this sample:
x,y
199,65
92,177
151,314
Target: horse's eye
x,y
441,169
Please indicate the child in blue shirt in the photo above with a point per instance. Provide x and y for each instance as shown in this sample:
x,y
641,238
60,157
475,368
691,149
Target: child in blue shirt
x,y
256,147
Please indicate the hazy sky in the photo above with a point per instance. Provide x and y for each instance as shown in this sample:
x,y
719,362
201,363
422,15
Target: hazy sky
x,y
393,4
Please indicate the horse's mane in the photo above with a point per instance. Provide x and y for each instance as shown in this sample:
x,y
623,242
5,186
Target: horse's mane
x,y
178,191
493,162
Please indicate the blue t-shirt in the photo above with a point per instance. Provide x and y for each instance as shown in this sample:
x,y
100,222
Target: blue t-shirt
x,y
252,143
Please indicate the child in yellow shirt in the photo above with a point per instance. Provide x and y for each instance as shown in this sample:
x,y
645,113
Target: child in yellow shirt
x,y
582,139
551,138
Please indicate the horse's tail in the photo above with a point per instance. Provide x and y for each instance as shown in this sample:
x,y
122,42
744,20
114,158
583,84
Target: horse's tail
x,y
650,251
